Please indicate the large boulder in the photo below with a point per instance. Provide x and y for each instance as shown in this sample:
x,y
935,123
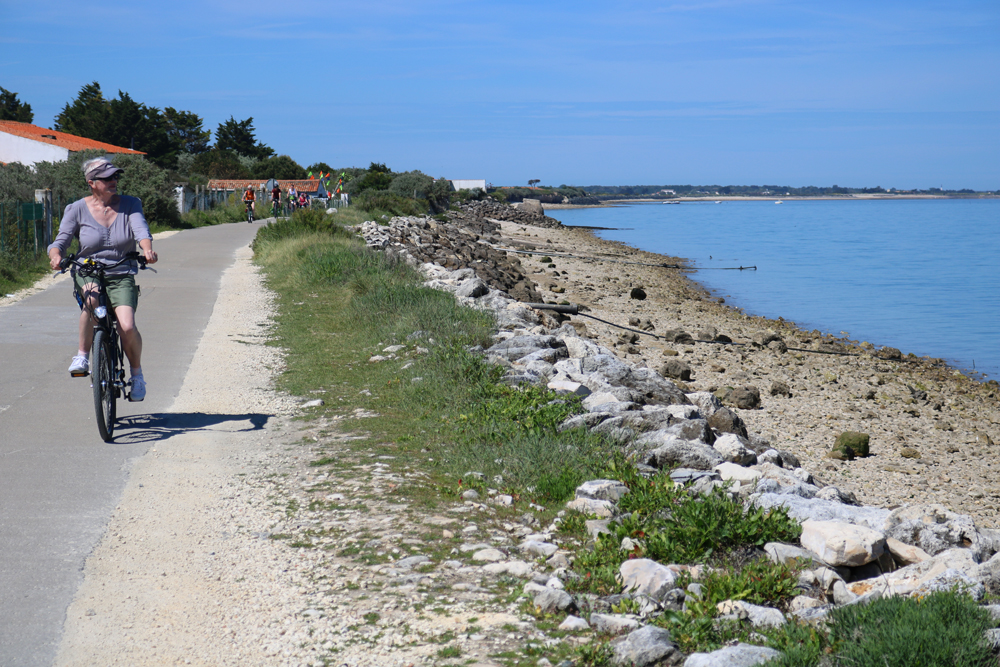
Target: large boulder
x,y
656,389
552,600
690,429
646,647
725,420
906,580
706,402
850,444
668,452
741,655
602,489
934,528
531,206
842,544
677,369
734,449
642,576
744,398
803,509
516,347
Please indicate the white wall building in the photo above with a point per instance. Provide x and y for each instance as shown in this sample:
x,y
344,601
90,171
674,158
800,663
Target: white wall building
x,y
29,144
469,184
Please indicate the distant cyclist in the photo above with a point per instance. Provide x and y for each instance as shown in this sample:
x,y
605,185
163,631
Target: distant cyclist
x,y
275,199
250,199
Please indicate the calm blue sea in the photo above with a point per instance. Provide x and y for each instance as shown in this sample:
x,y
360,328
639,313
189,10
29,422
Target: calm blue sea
x,y
919,275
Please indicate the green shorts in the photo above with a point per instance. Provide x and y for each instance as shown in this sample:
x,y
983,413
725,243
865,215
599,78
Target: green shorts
x,y
122,290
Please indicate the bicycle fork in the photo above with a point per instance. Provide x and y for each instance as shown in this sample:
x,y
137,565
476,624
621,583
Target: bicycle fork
x,y
107,323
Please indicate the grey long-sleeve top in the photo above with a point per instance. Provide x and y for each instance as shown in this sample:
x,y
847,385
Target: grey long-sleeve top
x,y
105,244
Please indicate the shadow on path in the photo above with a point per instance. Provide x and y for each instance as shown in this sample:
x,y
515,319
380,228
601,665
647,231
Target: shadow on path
x,y
136,429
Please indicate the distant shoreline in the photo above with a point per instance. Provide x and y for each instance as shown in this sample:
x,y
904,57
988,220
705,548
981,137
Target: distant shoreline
x,y
711,198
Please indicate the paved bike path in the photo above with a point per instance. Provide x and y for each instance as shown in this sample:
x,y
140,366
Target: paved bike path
x,y
59,481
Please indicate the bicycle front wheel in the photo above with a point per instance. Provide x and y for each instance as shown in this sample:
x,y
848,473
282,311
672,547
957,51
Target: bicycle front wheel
x,y
102,364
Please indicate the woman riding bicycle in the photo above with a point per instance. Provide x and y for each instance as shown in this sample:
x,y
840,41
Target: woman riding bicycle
x,y
107,225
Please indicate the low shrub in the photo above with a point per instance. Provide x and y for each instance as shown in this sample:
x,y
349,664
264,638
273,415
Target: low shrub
x,y
389,202
669,524
941,630
301,222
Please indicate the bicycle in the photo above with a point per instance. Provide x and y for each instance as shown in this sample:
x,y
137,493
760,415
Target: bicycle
x,y
249,212
106,354
275,208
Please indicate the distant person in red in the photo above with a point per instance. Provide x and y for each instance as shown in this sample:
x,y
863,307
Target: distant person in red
x,y
302,200
275,198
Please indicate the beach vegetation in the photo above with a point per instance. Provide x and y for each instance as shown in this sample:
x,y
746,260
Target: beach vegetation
x,y
943,629
666,523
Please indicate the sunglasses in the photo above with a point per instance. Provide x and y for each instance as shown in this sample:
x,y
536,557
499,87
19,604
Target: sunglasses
x,y
113,177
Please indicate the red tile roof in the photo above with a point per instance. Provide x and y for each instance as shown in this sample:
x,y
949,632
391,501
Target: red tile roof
x,y
70,142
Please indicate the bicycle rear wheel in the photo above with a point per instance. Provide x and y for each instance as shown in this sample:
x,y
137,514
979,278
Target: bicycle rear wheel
x,y
103,375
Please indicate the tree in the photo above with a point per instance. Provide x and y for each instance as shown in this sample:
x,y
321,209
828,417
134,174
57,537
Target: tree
x,y
186,132
86,115
12,108
412,184
280,167
320,167
234,135
439,195
217,163
131,124
121,122
533,182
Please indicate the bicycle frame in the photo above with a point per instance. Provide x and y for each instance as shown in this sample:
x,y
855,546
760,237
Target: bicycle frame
x,y
107,356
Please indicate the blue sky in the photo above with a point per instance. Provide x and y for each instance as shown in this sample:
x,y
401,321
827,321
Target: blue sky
x,y
899,94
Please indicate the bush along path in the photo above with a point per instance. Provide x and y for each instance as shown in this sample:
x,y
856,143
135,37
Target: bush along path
x,y
521,496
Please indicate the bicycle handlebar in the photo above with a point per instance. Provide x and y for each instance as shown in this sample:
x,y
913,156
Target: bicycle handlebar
x,y
89,267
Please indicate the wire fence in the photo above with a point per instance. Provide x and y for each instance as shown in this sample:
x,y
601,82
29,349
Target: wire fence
x,y
27,228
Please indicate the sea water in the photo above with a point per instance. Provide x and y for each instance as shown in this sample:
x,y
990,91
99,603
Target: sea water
x,y
919,275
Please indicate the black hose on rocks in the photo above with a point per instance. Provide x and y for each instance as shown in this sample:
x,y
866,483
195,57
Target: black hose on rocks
x,y
621,261
574,309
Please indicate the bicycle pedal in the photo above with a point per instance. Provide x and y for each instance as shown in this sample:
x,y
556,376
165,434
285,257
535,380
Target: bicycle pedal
x,y
79,374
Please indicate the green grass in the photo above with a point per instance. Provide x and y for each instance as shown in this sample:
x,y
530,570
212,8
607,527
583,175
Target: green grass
x,y
20,270
341,303
940,630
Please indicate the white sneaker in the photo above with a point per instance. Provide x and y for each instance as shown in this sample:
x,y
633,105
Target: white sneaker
x,y
80,366
138,391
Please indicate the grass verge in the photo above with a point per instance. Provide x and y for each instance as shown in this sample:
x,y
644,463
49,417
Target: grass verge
x,y
20,270
341,305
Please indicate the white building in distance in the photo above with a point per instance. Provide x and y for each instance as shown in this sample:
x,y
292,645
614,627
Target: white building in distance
x,y
28,144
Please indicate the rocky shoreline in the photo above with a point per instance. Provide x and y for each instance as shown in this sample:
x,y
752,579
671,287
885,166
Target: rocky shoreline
x,y
932,430
840,434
